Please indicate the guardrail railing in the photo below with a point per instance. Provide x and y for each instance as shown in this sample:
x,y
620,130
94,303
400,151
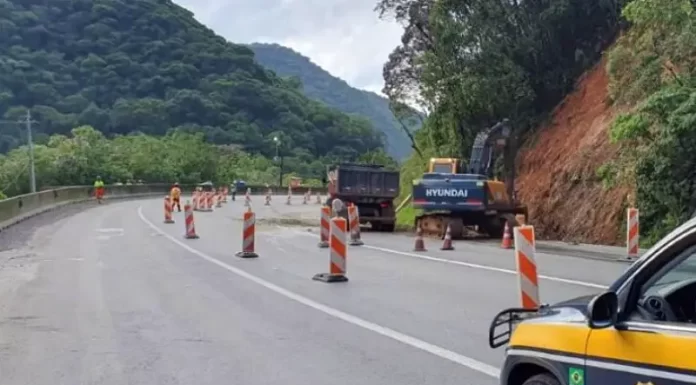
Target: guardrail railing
x,y
16,209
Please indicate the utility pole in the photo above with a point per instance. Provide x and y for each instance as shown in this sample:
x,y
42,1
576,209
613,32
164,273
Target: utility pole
x,y
32,170
27,121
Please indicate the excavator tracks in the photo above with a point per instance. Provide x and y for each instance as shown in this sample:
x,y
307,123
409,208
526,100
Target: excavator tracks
x,y
434,225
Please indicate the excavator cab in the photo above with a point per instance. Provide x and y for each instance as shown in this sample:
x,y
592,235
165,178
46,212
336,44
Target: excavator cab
x,y
445,166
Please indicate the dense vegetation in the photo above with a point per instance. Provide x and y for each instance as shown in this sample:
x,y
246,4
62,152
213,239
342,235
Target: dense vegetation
x,y
147,66
322,86
653,70
77,159
472,63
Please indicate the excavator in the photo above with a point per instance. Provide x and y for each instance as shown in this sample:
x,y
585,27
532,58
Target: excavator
x,y
459,195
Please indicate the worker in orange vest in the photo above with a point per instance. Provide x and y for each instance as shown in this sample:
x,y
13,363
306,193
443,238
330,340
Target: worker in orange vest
x,y
175,194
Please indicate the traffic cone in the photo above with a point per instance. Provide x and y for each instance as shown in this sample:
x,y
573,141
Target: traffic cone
x,y
447,244
420,244
507,239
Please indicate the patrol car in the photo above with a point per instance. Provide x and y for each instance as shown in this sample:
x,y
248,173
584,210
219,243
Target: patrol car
x,y
641,330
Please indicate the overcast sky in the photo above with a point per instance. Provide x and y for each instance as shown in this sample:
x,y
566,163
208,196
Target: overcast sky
x,y
345,37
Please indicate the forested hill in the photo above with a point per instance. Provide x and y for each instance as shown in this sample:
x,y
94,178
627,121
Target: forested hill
x,y
147,65
321,85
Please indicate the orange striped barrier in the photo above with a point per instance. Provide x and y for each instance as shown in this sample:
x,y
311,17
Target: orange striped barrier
x,y
248,235
632,233
168,210
525,248
218,200
190,227
354,223
324,227
337,253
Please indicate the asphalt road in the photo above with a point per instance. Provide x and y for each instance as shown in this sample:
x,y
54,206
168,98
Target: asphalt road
x,y
112,295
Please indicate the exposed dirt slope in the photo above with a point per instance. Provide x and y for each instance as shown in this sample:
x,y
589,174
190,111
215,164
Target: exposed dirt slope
x,y
557,171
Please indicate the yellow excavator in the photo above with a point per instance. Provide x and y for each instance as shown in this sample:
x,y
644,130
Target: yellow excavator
x,y
460,195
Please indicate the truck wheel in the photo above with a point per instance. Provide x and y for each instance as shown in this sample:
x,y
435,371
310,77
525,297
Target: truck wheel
x,y
542,379
388,228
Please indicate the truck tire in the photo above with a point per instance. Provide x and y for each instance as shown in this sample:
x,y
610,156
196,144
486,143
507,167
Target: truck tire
x,y
542,379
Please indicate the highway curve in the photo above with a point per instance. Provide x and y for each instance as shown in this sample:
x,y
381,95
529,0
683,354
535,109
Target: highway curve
x,y
112,295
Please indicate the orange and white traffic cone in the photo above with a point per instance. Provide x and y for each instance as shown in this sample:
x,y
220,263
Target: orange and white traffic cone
x,y
324,227
190,227
420,244
337,253
168,210
507,238
447,243
248,230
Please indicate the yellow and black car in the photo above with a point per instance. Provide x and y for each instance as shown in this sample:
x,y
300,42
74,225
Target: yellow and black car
x,y
641,330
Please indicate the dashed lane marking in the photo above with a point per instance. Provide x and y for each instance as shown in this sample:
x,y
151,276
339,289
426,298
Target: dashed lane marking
x,y
441,352
466,264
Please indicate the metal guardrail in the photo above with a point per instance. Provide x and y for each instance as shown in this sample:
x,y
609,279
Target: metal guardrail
x,y
16,209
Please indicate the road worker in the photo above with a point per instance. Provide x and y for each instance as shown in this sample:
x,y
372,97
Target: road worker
x,y
99,189
175,195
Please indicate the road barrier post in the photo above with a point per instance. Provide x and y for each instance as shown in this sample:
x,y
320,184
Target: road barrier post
x,y
354,223
168,210
324,227
190,227
632,233
248,230
525,249
337,253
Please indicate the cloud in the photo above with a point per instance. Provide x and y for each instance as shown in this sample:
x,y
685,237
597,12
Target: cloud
x,y
345,37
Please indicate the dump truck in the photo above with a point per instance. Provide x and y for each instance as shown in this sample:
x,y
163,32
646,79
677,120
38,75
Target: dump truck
x,y
460,195
371,187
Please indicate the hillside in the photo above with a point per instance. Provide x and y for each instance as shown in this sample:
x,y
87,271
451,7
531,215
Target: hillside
x,y
320,85
558,169
628,129
148,66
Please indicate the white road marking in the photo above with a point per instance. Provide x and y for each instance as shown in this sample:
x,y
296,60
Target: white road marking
x,y
468,264
111,230
441,352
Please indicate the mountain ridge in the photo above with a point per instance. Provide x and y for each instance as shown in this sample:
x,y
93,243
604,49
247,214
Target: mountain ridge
x,y
321,85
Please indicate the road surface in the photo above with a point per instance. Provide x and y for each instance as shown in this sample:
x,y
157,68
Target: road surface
x,y
112,295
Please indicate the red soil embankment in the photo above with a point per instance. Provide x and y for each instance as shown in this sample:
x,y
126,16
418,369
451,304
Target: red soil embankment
x,y
557,171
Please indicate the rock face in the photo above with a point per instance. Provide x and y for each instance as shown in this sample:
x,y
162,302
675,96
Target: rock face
x,y
557,171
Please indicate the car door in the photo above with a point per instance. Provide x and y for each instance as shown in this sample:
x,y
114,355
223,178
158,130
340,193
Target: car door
x,y
638,350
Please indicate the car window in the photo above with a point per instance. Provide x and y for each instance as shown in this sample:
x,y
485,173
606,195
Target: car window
x,y
683,267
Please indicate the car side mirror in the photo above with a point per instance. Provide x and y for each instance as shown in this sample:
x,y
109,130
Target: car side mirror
x,y
602,311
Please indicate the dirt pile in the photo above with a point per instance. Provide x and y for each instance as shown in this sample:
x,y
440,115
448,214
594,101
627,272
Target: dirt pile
x,y
557,170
